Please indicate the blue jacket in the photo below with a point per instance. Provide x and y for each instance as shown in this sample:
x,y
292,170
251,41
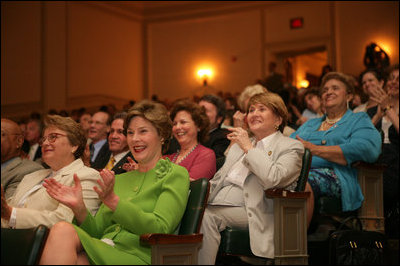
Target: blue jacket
x,y
359,140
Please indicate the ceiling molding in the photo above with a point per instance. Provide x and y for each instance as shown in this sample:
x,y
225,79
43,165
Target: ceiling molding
x,y
156,11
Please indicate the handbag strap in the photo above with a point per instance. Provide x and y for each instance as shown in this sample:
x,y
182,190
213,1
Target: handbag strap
x,y
343,223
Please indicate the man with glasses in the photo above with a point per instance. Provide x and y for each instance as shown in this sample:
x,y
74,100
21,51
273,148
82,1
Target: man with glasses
x,y
98,133
13,167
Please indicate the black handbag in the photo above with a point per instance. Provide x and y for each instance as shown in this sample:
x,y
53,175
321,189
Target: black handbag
x,y
357,246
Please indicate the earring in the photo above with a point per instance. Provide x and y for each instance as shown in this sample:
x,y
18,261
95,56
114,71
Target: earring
x,y
276,127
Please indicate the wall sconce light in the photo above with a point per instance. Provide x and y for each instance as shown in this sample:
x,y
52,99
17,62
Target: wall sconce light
x,y
304,83
205,74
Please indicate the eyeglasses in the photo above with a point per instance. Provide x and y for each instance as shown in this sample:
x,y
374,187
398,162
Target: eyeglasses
x,y
3,134
51,138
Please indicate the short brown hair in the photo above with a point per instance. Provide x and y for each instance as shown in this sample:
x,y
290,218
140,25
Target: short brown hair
x,y
274,102
198,115
75,133
156,114
345,79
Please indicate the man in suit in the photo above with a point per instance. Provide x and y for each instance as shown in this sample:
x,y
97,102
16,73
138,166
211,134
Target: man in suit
x,y
98,133
215,110
118,145
32,135
13,167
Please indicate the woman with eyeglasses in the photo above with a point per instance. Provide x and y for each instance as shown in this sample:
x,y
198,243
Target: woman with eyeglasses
x,y
62,145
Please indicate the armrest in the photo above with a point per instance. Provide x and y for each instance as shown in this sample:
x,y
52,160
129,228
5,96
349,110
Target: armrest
x,y
154,239
283,193
362,164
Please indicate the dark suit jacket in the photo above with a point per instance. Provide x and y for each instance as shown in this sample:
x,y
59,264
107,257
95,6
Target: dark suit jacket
x,y
38,154
218,141
118,167
102,157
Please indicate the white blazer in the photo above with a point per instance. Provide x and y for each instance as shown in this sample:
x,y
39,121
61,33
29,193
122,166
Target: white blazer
x,y
275,166
40,208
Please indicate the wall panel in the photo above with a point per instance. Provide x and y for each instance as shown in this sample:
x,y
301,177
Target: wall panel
x,y
229,43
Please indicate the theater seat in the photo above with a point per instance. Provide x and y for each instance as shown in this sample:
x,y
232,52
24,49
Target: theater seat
x,y
290,230
182,248
22,246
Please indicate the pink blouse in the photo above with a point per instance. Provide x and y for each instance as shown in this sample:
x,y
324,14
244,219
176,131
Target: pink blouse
x,y
200,162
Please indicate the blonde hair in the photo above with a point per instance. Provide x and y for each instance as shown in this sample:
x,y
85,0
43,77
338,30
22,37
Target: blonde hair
x,y
247,93
274,102
156,114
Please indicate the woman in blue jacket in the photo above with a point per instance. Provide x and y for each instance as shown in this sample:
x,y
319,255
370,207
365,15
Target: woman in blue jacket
x,y
336,140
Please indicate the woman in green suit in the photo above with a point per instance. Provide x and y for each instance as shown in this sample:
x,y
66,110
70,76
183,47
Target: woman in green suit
x,y
151,199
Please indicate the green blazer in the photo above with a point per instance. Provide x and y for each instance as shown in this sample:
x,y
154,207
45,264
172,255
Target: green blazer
x,y
151,202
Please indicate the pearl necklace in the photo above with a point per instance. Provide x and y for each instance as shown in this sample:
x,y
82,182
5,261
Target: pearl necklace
x,y
332,121
184,157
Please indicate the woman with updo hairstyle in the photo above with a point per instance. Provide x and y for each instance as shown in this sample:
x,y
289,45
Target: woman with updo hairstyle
x,y
150,199
63,142
190,129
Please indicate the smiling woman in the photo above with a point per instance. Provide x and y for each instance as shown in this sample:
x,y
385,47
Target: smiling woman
x,y
151,199
267,159
190,129
336,140
62,146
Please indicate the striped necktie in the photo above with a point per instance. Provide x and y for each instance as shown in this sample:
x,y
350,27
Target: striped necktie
x,y
110,163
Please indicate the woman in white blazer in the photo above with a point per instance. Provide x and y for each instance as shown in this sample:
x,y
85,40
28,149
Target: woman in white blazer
x,y
62,145
266,159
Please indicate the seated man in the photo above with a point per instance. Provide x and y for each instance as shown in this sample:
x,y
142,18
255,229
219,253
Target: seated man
x,y
13,167
32,135
118,145
215,110
98,133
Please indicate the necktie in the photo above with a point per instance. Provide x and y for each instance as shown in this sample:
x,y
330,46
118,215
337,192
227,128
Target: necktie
x,y
110,163
91,149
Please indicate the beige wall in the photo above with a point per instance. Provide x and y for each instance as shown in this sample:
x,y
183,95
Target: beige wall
x,y
229,44
359,24
65,55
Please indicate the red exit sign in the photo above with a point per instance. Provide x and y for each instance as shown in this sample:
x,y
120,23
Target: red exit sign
x,y
296,23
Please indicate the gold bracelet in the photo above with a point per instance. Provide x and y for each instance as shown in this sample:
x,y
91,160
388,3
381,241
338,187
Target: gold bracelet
x,y
387,108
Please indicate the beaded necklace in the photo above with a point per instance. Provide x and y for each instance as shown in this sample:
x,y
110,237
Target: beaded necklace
x,y
332,121
184,157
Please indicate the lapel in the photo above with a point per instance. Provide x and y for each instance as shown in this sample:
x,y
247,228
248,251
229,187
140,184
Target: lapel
x,y
72,168
102,157
28,182
118,167
340,122
234,154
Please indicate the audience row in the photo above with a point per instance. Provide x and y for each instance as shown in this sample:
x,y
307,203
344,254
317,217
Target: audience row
x,y
146,156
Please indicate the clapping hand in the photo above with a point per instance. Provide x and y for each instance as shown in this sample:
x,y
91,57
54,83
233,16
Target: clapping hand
x,y
241,137
106,190
70,196
130,165
239,119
